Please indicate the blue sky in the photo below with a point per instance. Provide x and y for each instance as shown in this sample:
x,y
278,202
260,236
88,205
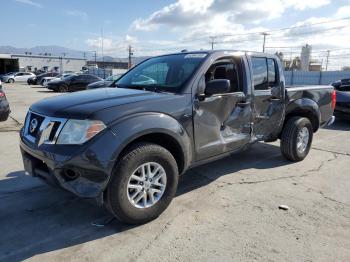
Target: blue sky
x,y
153,26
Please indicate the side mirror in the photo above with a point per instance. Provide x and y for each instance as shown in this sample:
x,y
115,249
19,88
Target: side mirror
x,y
217,86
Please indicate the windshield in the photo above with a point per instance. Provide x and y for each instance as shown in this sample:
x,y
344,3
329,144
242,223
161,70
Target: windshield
x,y
65,76
68,77
165,73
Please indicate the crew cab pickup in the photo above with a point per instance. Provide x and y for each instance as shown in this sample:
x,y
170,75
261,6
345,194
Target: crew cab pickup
x,y
126,146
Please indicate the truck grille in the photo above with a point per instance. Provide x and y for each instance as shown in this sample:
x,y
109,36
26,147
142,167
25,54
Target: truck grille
x,y
41,129
35,122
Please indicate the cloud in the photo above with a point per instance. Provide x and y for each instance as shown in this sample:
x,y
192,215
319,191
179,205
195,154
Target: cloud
x,y
29,2
76,13
343,12
192,13
305,4
112,46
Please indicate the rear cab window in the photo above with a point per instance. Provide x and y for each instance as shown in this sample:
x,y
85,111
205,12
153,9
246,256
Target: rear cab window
x,y
264,73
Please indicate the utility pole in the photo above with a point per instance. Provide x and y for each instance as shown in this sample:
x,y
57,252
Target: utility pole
x,y
130,54
103,59
327,60
264,34
61,65
95,58
212,41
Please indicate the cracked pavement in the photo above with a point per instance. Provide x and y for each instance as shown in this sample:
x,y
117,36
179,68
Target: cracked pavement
x,y
223,211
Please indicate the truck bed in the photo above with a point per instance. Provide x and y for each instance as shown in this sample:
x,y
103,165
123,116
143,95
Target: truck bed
x,y
317,97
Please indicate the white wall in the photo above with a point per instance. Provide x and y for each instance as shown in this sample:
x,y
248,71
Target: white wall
x,y
68,64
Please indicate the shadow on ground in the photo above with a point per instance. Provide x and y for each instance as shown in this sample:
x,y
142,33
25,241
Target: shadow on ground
x,y
35,218
340,124
45,91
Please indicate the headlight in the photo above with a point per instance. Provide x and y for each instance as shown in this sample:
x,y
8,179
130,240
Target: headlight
x,y
77,132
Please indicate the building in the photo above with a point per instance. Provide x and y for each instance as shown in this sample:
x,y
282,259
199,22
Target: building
x,y
108,64
32,63
305,57
292,65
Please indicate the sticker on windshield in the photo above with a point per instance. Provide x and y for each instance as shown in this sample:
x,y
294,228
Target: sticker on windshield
x,y
195,56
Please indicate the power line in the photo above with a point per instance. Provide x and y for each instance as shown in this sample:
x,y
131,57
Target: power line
x,y
269,31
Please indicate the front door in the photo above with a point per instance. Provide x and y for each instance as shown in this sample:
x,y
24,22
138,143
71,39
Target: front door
x,y
268,97
221,121
19,77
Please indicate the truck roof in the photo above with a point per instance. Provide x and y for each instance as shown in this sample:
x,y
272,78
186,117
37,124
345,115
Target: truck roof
x,y
222,51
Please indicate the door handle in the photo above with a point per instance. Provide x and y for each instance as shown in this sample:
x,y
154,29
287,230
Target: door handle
x,y
243,104
274,99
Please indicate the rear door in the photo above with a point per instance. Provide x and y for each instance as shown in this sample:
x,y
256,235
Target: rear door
x,y
269,104
92,79
26,76
79,82
221,121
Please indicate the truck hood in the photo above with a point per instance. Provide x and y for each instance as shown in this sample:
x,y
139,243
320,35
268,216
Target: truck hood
x,y
83,104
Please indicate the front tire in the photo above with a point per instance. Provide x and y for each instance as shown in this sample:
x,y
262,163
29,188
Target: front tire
x,y
11,80
296,138
143,184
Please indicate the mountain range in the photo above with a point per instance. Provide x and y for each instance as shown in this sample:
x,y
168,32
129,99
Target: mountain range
x,y
55,50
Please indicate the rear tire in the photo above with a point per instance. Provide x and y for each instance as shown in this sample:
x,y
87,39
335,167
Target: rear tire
x,y
4,117
63,88
120,199
11,80
296,138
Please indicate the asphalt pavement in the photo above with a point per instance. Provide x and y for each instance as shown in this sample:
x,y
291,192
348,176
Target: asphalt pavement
x,y
224,211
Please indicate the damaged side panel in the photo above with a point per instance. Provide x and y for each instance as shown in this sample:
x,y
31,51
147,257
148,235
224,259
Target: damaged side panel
x,y
221,124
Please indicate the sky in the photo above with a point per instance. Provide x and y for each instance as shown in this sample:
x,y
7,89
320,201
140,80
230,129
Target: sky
x,y
153,26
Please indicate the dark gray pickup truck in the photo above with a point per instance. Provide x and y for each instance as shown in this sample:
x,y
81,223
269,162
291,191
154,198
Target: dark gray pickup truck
x,y
127,146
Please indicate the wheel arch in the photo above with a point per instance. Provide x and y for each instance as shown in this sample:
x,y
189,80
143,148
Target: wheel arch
x,y
169,134
304,107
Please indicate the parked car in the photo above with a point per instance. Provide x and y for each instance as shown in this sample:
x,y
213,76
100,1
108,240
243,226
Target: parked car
x,y
39,72
46,80
72,83
6,74
342,108
127,146
105,82
4,105
17,77
38,80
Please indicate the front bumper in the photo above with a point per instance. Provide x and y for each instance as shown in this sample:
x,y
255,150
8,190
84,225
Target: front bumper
x,y
52,87
81,169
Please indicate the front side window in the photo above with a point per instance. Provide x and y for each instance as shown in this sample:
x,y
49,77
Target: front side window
x,y
260,76
165,73
225,68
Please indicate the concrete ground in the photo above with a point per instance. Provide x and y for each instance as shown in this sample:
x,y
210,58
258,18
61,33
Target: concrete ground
x,y
223,211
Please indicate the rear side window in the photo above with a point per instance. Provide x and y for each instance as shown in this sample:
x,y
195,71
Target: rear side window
x,y
260,75
272,74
